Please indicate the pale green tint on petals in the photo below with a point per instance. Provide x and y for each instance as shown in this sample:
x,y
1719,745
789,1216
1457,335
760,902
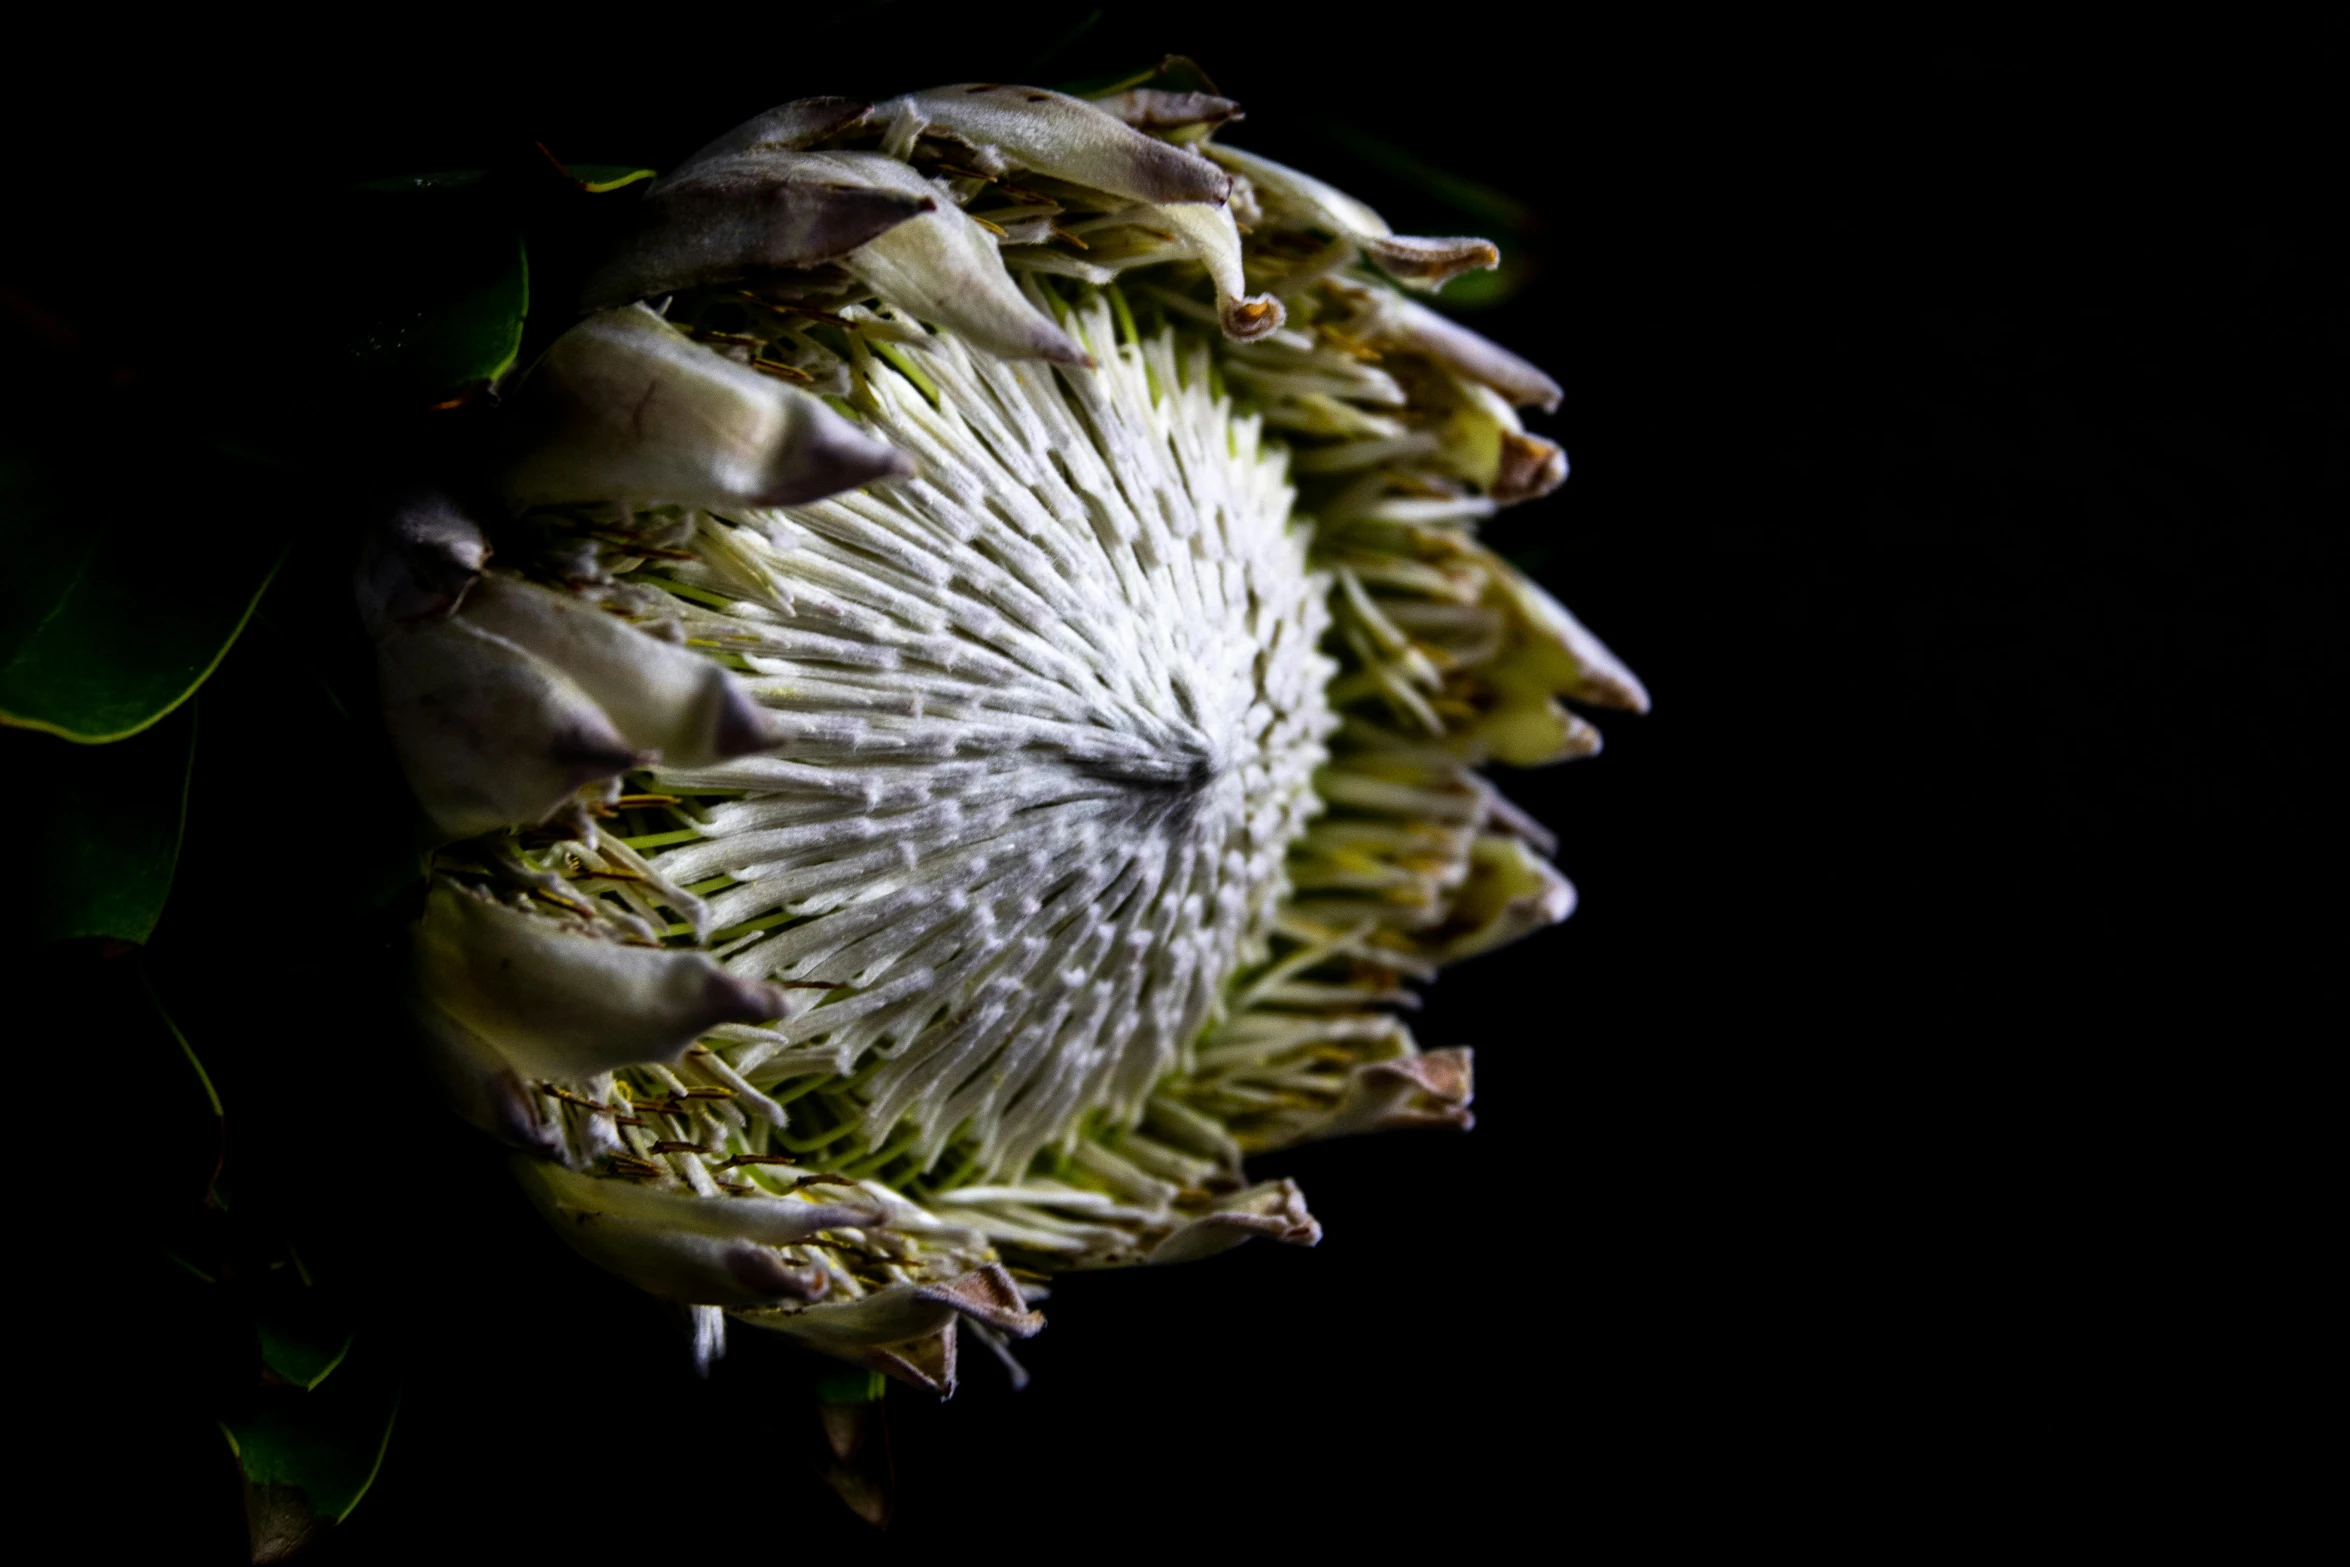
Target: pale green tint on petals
x,y
1511,891
1554,649
1412,325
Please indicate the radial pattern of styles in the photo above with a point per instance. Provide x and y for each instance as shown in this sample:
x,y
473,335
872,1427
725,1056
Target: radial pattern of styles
x,y
968,722
1051,714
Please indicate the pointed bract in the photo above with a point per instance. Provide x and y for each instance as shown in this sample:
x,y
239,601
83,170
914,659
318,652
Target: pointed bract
x,y
489,735
1530,468
664,698
771,1221
1429,263
738,216
944,269
1552,652
1156,109
906,1331
1415,326
691,1265
1208,233
1527,727
1067,138
416,562
1431,1090
1273,1211
787,127
927,1363
625,407
482,1086
562,1004
1511,892
1422,263
988,1295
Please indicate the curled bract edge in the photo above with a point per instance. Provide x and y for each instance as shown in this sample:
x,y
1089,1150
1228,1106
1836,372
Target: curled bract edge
x,y
1156,109
944,268
908,1330
1213,240
1415,262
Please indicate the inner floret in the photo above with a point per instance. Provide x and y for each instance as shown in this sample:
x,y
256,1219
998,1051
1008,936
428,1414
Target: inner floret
x,y
1051,711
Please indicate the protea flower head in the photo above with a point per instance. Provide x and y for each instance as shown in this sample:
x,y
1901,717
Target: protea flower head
x,y
961,722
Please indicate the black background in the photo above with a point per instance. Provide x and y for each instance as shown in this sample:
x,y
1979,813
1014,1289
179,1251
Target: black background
x,y
1888,1152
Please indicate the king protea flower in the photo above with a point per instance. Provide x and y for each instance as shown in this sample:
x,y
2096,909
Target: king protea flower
x,y
965,726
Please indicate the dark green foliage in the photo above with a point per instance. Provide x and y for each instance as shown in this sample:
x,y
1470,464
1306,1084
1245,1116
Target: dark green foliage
x,y
110,823
135,561
432,287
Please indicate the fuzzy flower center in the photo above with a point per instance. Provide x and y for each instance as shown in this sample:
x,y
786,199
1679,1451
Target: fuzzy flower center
x,y
1053,709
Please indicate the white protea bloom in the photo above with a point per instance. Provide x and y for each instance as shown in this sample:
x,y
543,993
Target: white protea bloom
x,y
965,726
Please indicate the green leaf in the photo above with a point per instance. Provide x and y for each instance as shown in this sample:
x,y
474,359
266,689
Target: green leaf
x,y
838,1384
302,1338
301,1335
110,819
432,284
301,1352
130,574
308,1457
196,1063
180,1137
597,178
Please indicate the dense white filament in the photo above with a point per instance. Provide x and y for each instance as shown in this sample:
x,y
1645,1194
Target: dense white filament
x,y
1051,712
